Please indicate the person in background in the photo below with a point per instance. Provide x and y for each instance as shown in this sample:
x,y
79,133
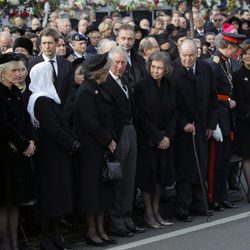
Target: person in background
x,y
24,46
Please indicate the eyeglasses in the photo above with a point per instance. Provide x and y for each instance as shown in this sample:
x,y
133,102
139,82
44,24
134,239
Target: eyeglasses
x,y
217,20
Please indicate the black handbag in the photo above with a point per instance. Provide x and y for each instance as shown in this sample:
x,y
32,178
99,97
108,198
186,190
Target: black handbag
x,y
112,170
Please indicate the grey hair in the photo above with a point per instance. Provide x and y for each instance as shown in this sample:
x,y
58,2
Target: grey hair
x,y
145,44
189,42
163,57
118,50
6,66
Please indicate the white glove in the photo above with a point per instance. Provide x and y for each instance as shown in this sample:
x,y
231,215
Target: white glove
x,y
217,135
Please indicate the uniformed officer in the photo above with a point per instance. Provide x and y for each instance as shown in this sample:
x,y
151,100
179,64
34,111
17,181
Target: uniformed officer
x,y
79,45
220,143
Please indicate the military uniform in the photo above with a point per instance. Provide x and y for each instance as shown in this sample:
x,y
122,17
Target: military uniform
x,y
219,160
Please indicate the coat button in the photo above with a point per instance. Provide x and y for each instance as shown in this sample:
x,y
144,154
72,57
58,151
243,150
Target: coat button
x,y
14,119
9,99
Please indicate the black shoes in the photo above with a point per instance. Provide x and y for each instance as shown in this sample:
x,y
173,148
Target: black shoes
x,y
136,229
217,207
184,217
122,233
227,204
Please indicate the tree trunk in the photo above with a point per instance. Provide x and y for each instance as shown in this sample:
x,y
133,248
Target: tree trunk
x,y
191,18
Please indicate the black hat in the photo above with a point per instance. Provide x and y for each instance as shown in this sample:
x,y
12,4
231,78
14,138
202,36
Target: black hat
x,y
23,43
144,32
162,38
77,61
90,29
94,63
14,29
235,39
79,37
8,57
204,42
179,35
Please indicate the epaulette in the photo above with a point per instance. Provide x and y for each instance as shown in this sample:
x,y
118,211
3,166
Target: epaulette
x,y
216,59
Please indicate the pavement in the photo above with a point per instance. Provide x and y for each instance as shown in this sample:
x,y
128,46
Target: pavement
x,y
226,230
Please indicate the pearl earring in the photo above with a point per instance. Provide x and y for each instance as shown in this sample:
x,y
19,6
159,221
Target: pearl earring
x,y
2,78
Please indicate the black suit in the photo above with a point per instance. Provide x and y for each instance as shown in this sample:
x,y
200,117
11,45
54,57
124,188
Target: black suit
x,y
65,87
137,70
123,114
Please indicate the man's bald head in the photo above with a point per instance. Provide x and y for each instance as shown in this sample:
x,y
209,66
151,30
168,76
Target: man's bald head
x,y
188,53
5,41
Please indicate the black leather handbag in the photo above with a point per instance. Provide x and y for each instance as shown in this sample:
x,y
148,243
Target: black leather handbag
x,y
112,170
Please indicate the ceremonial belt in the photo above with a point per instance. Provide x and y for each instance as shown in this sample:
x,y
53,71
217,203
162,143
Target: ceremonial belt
x,y
223,97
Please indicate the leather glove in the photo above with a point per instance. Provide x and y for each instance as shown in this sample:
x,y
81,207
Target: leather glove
x,y
76,147
217,135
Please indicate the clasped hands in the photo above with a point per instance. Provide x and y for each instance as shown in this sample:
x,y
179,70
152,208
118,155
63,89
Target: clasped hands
x,y
30,150
164,143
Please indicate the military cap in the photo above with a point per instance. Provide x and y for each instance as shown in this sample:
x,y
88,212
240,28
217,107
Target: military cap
x,y
79,37
233,38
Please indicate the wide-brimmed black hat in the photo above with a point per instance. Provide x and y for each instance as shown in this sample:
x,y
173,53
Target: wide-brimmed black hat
x,y
9,57
94,63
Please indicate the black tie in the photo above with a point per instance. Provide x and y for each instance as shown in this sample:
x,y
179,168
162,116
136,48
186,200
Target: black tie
x,y
54,73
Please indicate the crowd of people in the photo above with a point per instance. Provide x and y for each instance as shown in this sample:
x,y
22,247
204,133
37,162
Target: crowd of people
x,y
169,108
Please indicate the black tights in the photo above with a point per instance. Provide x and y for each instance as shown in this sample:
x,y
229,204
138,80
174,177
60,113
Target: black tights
x,y
8,228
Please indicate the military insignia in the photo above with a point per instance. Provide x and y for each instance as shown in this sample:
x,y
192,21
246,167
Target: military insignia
x,y
216,59
77,38
245,79
96,92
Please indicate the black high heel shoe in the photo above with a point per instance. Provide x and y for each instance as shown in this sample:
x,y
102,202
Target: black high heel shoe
x,y
91,242
109,241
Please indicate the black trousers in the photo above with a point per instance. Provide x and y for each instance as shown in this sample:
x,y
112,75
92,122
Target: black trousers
x,y
188,197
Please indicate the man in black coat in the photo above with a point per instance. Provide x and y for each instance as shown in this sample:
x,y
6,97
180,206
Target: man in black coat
x,y
63,70
196,107
126,152
135,69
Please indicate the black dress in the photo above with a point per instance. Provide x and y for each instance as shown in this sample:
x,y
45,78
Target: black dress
x,y
241,80
15,168
156,119
53,160
93,126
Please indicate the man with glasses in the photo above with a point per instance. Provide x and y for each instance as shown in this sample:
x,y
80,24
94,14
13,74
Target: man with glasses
x,y
217,21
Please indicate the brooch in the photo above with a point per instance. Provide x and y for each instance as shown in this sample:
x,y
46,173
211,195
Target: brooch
x,y
216,59
245,79
96,92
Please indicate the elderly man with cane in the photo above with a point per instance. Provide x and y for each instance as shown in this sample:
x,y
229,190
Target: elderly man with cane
x,y
196,109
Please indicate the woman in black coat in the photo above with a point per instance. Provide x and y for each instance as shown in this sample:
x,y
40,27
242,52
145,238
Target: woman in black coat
x,y
241,80
56,145
94,127
17,144
155,101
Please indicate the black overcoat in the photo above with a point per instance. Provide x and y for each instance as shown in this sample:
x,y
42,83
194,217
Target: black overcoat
x,y
94,127
196,102
241,93
156,118
16,128
53,160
